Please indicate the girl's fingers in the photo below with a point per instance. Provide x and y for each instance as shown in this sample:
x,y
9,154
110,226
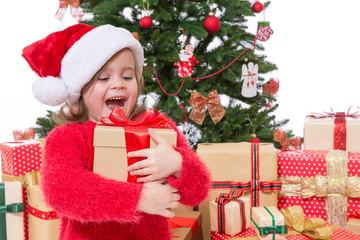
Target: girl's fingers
x,y
149,178
175,197
138,165
173,204
141,153
140,172
156,137
168,214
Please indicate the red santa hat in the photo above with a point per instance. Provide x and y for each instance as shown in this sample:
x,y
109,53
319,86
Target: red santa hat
x,y
67,60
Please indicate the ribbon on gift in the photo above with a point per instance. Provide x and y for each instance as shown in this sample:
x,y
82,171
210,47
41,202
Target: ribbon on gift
x,y
41,214
14,208
136,132
248,186
336,187
118,118
287,144
225,198
75,11
199,103
339,125
314,228
273,229
28,179
255,185
180,222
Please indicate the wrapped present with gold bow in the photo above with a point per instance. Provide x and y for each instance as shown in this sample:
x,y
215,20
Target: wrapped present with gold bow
x,y
332,130
230,213
43,221
324,183
186,225
268,223
250,167
353,225
20,161
116,135
12,211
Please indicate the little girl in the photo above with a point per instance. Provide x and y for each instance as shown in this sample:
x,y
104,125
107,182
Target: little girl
x,y
94,70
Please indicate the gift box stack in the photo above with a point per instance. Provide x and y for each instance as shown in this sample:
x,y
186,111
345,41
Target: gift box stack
x,y
20,161
324,177
247,166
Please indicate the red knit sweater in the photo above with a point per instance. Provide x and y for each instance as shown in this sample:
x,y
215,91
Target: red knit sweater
x,y
93,207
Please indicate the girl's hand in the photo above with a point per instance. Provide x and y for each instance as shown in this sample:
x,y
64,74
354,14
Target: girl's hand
x,y
161,162
157,198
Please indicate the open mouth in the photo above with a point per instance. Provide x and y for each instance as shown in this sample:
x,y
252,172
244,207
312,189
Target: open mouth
x,y
115,102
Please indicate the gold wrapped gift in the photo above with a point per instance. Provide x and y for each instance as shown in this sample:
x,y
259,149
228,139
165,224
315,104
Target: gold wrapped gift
x,y
43,222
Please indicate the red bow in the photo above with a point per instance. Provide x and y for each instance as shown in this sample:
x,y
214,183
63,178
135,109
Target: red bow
x,y
225,198
280,136
74,9
199,104
29,133
271,87
192,59
118,118
355,114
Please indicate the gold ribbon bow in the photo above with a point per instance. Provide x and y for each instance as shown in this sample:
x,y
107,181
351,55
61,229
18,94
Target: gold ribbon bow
x,y
314,228
280,136
28,179
75,11
199,104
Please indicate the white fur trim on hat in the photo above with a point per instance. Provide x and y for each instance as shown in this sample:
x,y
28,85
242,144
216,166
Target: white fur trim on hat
x,y
50,91
91,52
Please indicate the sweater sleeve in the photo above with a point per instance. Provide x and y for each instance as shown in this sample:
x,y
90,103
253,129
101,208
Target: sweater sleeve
x,y
194,181
75,192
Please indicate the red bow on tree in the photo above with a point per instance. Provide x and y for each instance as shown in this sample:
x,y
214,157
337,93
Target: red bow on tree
x,y
199,104
75,11
286,144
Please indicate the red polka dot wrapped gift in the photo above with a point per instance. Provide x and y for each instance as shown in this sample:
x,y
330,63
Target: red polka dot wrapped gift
x,y
324,183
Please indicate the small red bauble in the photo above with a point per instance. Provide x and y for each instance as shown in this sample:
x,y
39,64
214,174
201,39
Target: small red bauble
x,y
257,7
211,23
146,22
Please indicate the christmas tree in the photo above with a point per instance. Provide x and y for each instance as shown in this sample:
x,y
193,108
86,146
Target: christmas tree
x,y
167,28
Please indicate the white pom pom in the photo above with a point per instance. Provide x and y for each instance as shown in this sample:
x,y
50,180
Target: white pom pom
x,y
50,91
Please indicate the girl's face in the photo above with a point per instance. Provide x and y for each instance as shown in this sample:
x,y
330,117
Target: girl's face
x,y
115,87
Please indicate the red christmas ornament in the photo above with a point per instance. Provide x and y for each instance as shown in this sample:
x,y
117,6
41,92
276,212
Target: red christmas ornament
x,y
211,23
257,7
146,22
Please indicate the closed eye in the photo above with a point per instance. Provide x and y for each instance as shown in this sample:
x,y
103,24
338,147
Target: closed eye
x,y
103,79
127,78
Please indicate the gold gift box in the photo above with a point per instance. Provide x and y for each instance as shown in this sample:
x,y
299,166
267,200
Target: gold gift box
x,y
41,229
232,162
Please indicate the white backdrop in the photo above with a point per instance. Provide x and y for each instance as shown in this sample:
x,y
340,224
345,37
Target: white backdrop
x,y
315,46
